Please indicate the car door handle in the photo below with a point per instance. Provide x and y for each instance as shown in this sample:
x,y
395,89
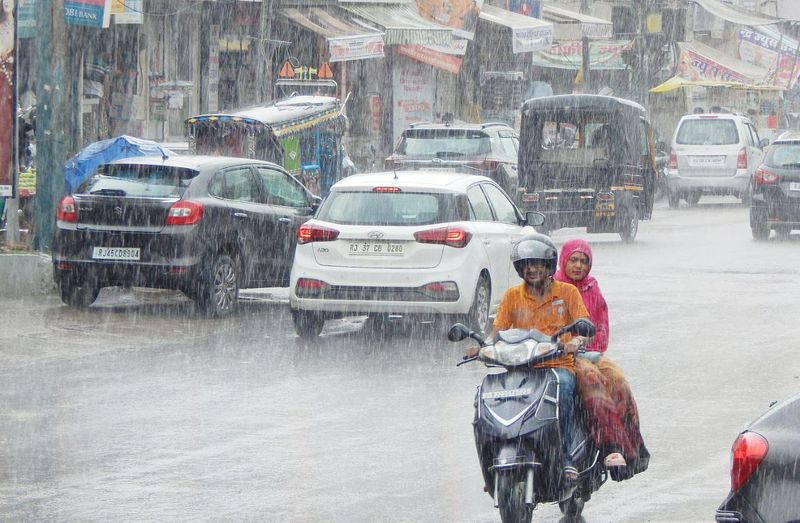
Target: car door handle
x,y
487,242
240,215
284,220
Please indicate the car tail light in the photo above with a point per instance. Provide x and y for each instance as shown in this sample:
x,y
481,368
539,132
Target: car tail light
x,y
450,236
63,266
66,211
489,165
673,159
184,213
748,451
741,161
309,233
764,176
387,189
442,290
309,287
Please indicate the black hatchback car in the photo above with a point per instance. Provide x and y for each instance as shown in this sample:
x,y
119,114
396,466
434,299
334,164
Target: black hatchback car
x,y
205,225
487,149
775,203
765,469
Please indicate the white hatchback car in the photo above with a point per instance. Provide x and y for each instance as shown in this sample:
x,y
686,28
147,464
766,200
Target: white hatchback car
x,y
713,154
427,244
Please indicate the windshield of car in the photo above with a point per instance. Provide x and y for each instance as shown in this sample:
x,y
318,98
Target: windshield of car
x,y
444,143
784,155
708,132
138,180
389,208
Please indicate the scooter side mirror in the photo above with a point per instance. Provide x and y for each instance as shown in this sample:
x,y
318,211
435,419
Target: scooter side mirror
x,y
458,332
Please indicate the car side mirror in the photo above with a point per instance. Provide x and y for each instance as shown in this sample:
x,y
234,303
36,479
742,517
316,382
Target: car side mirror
x,y
534,219
763,142
316,201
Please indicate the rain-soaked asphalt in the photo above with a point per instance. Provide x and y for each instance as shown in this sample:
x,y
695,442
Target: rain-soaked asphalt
x,y
138,409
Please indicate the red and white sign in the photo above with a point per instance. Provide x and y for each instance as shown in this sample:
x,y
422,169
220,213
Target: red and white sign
x,y
413,94
445,57
355,47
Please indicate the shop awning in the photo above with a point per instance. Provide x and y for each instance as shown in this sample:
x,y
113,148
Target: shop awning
x,y
676,82
699,62
570,25
346,39
732,14
527,33
401,24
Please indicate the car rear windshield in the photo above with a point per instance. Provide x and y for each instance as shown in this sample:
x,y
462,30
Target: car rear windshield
x,y
783,155
391,208
444,143
137,180
708,132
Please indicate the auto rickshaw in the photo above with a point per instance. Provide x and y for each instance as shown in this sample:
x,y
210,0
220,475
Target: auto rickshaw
x,y
587,161
301,133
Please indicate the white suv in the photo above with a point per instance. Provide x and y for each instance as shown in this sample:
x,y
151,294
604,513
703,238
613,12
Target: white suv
x,y
407,243
713,154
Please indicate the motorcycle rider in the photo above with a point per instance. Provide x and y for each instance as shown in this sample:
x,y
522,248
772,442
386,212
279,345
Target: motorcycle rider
x,y
542,303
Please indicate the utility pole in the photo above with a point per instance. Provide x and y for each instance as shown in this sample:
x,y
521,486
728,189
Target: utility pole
x,y
263,53
51,107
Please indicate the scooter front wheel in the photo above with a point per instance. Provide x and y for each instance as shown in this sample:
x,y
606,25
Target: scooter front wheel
x,y
511,499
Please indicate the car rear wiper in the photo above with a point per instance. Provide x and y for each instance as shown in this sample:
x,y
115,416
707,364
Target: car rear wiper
x,y
795,164
109,192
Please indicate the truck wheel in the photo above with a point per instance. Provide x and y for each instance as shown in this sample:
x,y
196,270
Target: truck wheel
x,y
693,197
628,223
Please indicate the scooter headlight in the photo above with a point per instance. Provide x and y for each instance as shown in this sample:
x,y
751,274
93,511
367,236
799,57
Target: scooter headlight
x,y
514,354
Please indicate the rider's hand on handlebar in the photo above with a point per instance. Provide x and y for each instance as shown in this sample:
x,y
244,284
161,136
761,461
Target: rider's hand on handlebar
x,y
574,345
472,352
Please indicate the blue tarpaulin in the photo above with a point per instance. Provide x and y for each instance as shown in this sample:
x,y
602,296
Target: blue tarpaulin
x,y
80,166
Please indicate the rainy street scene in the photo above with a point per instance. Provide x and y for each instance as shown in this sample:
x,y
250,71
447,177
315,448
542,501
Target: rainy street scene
x,y
399,260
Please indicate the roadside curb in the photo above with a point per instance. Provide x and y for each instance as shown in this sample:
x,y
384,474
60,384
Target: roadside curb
x,y
25,274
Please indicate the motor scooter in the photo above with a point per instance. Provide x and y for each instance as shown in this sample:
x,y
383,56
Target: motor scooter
x,y
516,425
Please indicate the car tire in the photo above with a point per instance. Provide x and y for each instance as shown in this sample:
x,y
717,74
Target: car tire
x,y
477,318
628,223
693,198
758,224
218,295
79,296
673,200
308,325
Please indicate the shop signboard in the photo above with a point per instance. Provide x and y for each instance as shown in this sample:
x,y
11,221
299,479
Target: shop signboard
x,y
527,39
459,15
92,13
355,47
761,49
696,67
604,55
7,101
445,57
413,95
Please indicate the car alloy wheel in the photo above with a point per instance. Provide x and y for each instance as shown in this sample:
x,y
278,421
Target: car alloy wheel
x,y
222,287
478,317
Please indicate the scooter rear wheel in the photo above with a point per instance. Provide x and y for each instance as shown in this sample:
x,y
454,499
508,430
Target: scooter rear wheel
x,y
511,499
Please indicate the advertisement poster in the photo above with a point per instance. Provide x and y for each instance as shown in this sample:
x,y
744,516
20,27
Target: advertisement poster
x,y
445,57
762,50
93,13
355,47
603,55
459,15
7,103
127,11
414,92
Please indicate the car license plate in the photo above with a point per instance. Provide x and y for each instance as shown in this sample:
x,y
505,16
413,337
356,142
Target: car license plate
x,y
794,186
706,161
115,253
376,249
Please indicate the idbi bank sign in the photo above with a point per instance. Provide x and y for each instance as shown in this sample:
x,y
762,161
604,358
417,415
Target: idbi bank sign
x,y
94,13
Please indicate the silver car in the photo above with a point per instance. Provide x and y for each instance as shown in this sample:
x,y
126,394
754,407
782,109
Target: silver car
x,y
713,154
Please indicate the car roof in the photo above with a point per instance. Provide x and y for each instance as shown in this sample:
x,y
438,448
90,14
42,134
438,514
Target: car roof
x,y
468,126
787,137
422,180
715,116
196,162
